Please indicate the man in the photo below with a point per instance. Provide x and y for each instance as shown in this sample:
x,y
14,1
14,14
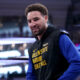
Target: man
x,y
53,56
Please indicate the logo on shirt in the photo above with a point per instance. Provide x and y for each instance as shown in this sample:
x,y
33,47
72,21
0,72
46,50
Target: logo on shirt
x,y
45,44
37,56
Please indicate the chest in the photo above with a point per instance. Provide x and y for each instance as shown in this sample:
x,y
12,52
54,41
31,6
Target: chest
x,y
42,53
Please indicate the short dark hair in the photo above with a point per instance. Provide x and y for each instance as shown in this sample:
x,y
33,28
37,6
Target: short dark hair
x,y
37,7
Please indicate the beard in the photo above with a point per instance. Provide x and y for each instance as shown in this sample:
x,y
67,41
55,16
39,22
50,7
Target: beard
x,y
38,31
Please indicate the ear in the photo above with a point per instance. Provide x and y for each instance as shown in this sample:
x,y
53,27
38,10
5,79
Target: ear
x,y
46,18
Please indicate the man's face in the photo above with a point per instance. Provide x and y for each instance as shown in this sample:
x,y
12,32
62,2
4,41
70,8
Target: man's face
x,y
37,22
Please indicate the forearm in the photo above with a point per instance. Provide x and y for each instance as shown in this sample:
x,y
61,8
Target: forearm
x,y
30,72
30,76
72,72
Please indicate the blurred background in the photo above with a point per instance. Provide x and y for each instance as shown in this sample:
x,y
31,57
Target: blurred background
x,y
16,37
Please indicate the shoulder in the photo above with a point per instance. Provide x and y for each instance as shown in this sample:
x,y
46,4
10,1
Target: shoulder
x,y
65,40
32,46
62,31
56,31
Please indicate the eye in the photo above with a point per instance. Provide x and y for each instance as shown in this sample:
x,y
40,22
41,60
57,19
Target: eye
x,y
29,21
36,19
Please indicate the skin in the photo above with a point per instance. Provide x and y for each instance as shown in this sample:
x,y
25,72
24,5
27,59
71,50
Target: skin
x,y
37,23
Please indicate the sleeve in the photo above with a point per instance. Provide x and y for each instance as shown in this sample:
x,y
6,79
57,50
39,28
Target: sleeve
x,y
30,71
70,52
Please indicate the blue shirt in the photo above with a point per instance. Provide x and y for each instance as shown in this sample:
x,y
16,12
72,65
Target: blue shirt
x,y
69,51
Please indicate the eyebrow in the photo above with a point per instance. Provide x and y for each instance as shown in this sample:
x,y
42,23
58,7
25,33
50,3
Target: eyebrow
x,y
33,18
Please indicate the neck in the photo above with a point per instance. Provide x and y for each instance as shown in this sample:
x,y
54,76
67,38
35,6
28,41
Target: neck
x,y
40,36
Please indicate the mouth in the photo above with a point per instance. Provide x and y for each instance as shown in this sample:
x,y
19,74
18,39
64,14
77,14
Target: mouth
x,y
35,28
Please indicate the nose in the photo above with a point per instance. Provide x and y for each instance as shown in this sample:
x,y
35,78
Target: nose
x,y
32,24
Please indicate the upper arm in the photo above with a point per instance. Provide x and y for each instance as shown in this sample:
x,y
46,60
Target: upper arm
x,y
68,49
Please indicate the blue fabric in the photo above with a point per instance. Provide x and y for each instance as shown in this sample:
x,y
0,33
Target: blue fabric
x,y
30,72
70,52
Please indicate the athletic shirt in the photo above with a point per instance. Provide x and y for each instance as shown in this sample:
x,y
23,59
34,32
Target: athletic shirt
x,y
48,58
